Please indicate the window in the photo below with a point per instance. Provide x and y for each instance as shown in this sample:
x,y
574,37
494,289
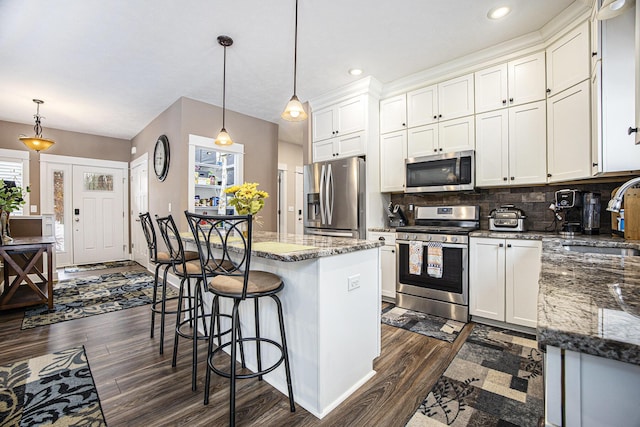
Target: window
x,y
14,166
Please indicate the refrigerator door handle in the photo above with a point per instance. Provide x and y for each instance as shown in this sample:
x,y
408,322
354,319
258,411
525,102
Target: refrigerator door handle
x,y
329,195
321,198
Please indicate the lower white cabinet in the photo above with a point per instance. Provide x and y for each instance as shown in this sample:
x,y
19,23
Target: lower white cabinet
x,y
388,262
503,279
339,147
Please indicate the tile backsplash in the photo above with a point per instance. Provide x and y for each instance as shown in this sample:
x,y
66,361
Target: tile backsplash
x,y
534,201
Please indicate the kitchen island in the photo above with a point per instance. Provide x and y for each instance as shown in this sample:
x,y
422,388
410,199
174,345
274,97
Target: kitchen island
x,y
589,325
331,303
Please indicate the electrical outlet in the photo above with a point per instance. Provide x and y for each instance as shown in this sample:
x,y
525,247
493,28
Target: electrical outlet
x,y
34,208
353,282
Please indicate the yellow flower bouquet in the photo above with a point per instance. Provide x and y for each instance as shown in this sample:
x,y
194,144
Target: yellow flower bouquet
x,y
247,199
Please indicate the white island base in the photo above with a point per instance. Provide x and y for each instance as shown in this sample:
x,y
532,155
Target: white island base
x,y
331,308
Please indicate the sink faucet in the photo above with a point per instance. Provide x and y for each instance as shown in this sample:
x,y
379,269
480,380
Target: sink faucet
x,y
616,201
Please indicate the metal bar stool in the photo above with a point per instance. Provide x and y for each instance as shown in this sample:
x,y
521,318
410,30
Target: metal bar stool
x,y
160,259
225,233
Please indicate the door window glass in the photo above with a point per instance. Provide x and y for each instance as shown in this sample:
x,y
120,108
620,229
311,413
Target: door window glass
x,y
98,182
58,208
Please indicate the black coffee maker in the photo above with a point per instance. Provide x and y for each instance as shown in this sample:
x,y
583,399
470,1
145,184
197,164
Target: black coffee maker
x,y
569,206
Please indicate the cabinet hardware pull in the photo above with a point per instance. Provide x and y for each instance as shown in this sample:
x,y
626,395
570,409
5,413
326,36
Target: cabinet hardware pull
x,y
435,117
404,124
548,175
381,238
393,251
504,178
504,101
510,99
594,53
508,245
548,90
594,164
501,245
440,149
439,116
631,130
435,150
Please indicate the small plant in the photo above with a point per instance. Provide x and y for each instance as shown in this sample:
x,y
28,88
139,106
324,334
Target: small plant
x,y
11,196
247,199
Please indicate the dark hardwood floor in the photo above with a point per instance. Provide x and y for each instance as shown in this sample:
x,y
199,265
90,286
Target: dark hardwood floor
x,y
138,387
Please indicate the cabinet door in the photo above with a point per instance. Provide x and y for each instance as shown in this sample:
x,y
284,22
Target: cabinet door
x,y
323,150
521,283
569,60
486,278
492,148
569,134
422,106
527,79
596,49
393,114
388,273
455,98
528,144
393,151
491,88
350,145
322,123
637,38
350,116
422,141
456,135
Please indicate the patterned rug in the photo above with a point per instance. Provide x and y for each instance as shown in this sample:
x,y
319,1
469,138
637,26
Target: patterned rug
x,y
56,389
494,380
92,295
422,323
98,266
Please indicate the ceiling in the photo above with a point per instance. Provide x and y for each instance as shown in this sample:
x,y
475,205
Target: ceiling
x,y
110,67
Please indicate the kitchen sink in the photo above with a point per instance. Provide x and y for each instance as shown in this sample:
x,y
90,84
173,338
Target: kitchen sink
x,y
602,250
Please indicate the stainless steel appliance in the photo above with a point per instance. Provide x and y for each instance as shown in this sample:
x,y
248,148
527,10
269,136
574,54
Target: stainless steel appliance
x,y
396,216
568,205
335,198
441,172
447,227
507,218
591,213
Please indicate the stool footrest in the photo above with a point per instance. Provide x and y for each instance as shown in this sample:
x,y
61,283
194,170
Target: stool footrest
x,y
253,374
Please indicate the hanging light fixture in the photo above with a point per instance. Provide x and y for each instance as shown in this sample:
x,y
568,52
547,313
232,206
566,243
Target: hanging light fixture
x,y
223,137
612,8
294,112
37,142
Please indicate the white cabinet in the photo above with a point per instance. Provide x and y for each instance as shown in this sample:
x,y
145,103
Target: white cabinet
x,y
511,146
569,134
636,127
422,106
387,262
393,114
339,147
517,82
393,152
443,137
503,279
447,100
340,119
569,60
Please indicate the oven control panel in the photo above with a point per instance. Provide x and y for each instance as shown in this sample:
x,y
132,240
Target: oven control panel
x,y
428,237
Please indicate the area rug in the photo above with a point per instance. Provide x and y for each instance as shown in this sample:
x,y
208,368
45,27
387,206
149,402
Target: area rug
x,y
99,266
494,380
93,295
56,389
422,323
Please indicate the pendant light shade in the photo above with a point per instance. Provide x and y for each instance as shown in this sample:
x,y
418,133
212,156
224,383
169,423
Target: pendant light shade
x,y
294,112
37,142
612,8
223,137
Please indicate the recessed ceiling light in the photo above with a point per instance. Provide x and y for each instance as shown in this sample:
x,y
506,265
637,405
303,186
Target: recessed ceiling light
x,y
499,12
355,71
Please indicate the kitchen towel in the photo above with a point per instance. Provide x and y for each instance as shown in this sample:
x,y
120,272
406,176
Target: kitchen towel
x,y
434,259
415,257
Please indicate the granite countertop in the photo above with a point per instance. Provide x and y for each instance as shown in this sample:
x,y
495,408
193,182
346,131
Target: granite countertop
x,y
295,247
590,303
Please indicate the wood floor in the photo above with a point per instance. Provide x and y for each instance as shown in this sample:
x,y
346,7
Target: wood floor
x,y
138,387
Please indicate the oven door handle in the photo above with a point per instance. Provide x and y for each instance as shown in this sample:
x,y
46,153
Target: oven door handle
x,y
444,245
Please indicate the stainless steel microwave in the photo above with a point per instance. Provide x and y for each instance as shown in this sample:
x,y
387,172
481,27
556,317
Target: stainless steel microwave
x,y
441,172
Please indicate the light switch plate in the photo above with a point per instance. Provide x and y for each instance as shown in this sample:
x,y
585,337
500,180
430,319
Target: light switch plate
x,y
33,208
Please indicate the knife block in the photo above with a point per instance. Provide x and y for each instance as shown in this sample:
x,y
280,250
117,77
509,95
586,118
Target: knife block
x,y
632,214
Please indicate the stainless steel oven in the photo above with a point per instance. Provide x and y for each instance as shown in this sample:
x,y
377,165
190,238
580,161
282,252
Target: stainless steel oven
x,y
445,294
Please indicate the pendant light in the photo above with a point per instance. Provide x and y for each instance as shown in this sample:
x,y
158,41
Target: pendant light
x,y
223,137
612,8
37,142
294,112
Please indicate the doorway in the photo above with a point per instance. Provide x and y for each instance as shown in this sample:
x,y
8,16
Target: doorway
x,y
88,199
139,204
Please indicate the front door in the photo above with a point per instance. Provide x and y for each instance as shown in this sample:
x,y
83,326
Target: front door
x,y
139,204
98,214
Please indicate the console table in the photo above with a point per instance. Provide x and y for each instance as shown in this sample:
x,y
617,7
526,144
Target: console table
x,y
22,255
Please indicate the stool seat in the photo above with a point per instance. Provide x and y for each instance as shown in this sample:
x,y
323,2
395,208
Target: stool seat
x,y
163,257
195,268
260,282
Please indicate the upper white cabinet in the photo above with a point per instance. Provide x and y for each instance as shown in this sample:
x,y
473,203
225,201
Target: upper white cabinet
x,y
569,134
636,127
503,282
393,114
393,151
511,146
422,106
444,137
569,60
514,83
349,145
343,118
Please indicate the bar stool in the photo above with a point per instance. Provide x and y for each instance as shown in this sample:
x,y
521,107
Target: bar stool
x,y
186,266
238,283
160,259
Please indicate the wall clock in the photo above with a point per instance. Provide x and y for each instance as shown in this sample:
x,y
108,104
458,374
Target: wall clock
x,y
161,157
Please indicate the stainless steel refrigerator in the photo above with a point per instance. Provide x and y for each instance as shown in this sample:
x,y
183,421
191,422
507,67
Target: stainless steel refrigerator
x,y
335,198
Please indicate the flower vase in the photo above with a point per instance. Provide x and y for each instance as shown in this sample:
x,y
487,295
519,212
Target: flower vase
x,y
4,227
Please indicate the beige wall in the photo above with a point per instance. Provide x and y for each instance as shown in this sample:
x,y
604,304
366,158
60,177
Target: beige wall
x,y
291,156
67,144
187,116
